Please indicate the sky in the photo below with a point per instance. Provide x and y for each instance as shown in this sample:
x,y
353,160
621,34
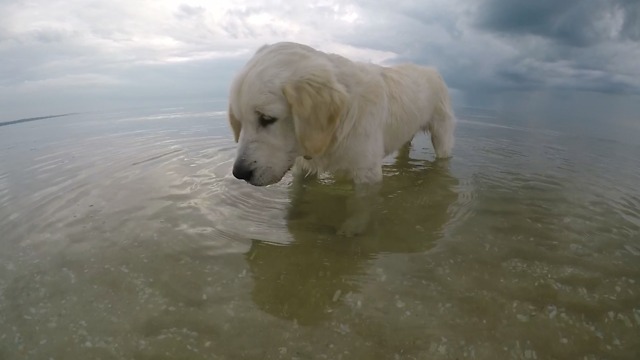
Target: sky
x,y
87,55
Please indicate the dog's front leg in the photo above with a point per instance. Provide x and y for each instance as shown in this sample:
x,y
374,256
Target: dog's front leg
x,y
362,203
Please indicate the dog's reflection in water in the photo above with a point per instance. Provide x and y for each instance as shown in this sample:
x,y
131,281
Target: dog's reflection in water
x,y
303,281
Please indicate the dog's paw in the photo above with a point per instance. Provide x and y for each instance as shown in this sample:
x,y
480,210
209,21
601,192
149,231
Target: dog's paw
x,y
353,226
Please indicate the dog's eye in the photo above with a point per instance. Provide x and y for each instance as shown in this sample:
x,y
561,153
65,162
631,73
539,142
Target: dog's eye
x,y
266,120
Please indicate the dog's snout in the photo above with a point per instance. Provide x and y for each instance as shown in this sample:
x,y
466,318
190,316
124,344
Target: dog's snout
x,y
242,172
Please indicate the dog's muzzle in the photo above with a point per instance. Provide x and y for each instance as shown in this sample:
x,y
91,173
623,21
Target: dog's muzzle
x,y
242,171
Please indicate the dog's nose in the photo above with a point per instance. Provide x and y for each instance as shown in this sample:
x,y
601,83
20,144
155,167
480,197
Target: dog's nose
x,y
242,172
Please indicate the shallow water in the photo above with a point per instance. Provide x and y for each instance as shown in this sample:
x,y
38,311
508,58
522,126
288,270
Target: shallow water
x,y
124,236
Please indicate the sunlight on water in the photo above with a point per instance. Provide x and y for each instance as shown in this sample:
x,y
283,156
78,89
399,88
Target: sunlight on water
x,y
124,236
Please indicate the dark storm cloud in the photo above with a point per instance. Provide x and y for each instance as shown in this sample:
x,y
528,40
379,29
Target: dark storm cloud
x,y
631,25
529,74
580,45
571,22
504,45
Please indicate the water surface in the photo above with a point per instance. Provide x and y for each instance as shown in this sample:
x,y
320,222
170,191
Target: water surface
x,y
124,236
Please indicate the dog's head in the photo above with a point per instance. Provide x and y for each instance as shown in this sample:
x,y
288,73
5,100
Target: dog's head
x,y
285,103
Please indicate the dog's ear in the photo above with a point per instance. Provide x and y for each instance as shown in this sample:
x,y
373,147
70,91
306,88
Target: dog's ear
x,y
236,126
317,101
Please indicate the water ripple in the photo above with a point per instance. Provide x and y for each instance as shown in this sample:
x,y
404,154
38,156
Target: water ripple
x,y
129,236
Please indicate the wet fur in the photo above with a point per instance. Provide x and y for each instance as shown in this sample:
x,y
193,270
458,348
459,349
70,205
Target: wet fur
x,y
334,115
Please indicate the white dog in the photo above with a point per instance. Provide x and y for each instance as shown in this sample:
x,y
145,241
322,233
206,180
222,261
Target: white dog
x,y
292,104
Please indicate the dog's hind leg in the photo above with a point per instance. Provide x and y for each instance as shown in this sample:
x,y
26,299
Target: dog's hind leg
x,y
442,123
441,127
441,131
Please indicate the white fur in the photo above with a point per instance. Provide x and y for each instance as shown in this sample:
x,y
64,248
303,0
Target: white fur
x,y
345,116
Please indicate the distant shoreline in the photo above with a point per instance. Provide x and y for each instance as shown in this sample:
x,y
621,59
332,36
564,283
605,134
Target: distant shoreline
x,y
34,119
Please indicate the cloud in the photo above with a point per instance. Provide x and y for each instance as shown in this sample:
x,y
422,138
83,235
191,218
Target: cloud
x,y
571,22
503,45
187,11
108,53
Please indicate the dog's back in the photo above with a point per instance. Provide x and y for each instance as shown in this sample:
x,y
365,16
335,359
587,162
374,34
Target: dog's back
x,y
418,99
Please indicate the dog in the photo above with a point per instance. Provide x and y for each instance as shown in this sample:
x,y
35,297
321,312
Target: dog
x,y
294,105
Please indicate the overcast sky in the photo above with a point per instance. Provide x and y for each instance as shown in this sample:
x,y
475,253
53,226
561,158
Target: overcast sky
x,y
81,55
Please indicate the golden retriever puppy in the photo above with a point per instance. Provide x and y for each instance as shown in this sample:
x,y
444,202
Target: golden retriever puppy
x,y
294,105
